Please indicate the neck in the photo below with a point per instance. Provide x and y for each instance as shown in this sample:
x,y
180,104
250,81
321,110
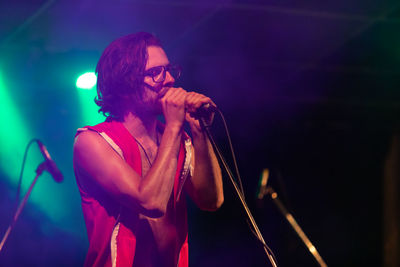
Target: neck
x,y
141,127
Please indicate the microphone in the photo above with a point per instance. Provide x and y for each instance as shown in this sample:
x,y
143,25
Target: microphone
x,y
204,111
263,184
51,166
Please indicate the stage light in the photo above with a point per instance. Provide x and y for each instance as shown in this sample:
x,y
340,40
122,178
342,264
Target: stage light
x,y
86,81
14,137
14,134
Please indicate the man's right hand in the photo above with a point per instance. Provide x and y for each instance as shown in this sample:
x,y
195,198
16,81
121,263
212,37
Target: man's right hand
x,y
173,107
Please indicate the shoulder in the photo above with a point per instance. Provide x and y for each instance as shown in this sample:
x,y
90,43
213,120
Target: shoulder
x,y
93,156
86,139
90,146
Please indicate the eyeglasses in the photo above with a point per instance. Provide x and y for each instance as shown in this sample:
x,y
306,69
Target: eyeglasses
x,y
158,73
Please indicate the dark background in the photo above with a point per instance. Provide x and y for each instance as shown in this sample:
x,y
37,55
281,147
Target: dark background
x,y
309,89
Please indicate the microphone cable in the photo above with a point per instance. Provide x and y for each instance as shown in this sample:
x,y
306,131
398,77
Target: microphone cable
x,y
22,169
239,181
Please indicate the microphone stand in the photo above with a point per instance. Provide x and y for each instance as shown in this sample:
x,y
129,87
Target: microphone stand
x,y
39,171
295,226
206,127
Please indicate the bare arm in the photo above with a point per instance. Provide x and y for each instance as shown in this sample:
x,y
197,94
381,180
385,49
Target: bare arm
x,y
97,162
205,187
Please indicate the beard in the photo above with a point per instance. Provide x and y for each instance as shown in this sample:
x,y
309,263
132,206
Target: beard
x,y
149,105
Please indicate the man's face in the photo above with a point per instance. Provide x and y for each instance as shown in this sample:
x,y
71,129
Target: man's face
x,y
158,60
154,91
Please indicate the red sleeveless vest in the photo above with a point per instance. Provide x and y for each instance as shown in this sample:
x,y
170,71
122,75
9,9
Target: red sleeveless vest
x,y
111,228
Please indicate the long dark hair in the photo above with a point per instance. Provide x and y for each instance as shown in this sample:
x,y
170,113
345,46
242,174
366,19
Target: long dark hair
x,y
119,74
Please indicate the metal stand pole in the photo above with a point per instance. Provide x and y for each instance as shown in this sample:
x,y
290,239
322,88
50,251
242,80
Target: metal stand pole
x,y
39,171
296,227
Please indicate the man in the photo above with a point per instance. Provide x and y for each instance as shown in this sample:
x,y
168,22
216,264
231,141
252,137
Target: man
x,y
132,169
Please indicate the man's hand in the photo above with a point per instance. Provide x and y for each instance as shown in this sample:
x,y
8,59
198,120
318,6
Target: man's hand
x,y
205,186
193,102
173,107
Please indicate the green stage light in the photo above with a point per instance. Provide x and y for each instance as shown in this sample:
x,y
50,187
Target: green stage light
x,y
48,198
85,84
86,81
14,134
14,137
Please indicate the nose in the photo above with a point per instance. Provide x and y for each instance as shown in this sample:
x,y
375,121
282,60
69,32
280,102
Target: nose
x,y
169,78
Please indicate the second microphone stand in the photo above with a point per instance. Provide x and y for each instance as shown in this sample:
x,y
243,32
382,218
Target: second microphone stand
x,y
296,227
21,206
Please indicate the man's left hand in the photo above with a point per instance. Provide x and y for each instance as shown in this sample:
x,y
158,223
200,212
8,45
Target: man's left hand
x,y
193,102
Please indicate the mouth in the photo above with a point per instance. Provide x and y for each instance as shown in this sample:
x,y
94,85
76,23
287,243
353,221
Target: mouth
x,y
163,91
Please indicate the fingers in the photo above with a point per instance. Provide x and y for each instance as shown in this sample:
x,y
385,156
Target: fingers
x,y
173,106
195,100
191,100
174,96
178,105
